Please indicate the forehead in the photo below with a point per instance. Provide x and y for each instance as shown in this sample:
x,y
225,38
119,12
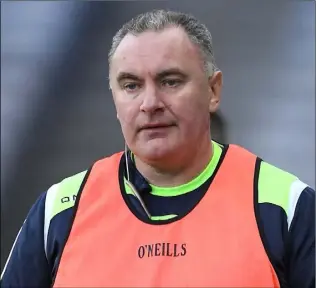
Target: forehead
x,y
153,51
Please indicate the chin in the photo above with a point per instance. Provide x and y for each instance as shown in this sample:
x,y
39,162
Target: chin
x,y
156,149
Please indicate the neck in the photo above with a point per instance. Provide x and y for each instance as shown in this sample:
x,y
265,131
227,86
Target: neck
x,y
171,173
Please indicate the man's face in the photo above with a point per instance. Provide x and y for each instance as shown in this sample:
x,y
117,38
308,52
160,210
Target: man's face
x,y
161,93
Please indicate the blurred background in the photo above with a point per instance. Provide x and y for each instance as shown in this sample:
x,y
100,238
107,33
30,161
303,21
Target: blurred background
x,y
57,115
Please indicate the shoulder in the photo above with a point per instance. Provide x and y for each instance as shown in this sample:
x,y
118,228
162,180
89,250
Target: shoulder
x,y
62,195
275,187
279,187
58,212
284,205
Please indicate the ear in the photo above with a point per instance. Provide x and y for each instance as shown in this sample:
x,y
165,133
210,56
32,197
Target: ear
x,y
215,86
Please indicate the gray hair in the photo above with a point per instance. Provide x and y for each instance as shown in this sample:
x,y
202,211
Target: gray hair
x,y
158,20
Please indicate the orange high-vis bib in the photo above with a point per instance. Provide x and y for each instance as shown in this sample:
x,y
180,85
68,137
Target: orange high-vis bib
x,y
216,245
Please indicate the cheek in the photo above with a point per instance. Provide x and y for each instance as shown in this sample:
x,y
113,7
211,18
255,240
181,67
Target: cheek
x,y
191,106
127,114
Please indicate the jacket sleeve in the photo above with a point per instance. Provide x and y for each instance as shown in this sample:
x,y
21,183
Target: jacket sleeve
x,y
301,242
27,265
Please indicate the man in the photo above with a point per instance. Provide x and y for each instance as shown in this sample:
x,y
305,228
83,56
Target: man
x,y
176,209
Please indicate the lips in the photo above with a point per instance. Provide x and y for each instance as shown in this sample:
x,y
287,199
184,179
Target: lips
x,y
155,126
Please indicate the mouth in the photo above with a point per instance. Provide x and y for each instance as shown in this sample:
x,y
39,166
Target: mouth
x,y
156,126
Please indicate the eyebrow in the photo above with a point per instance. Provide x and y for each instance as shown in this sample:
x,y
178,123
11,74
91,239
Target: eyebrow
x,y
126,75
165,73
170,72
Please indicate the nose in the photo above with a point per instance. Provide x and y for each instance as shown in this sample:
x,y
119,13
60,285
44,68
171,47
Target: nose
x,y
151,100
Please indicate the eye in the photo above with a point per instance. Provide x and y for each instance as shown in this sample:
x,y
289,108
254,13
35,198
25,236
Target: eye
x,y
171,83
130,87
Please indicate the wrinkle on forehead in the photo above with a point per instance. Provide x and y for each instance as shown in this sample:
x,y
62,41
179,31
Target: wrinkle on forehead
x,y
153,51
